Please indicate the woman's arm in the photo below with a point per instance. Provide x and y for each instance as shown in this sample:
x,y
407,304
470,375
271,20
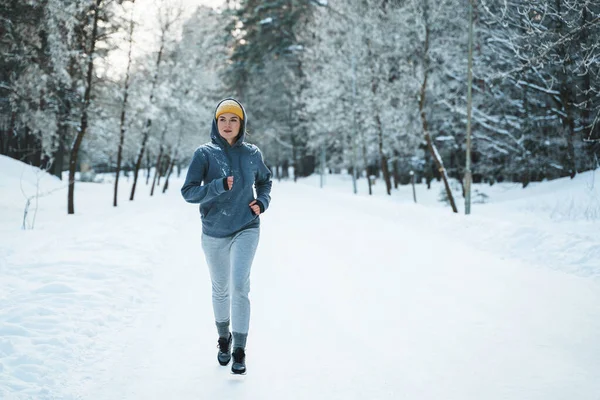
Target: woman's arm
x,y
193,191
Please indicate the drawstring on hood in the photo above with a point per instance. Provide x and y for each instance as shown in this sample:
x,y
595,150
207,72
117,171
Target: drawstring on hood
x,y
223,211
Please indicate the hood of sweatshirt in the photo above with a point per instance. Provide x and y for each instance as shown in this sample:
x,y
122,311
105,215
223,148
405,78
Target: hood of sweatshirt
x,y
214,132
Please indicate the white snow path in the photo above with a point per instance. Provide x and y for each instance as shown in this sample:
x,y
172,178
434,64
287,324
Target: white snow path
x,y
354,299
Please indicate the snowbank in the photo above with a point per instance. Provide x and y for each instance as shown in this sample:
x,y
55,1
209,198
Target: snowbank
x,y
551,224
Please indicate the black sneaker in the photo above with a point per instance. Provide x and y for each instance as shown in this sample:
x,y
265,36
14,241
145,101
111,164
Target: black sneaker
x,y
239,361
224,354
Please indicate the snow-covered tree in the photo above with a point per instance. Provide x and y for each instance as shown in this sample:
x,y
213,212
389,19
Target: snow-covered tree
x,y
267,74
537,67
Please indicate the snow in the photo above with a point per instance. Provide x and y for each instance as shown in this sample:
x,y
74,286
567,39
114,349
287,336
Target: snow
x,y
354,297
296,47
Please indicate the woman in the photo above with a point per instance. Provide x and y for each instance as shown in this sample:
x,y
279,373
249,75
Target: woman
x,y
220,178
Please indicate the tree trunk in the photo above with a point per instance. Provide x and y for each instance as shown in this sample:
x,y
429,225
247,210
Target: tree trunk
x,y
29,146
365,161
526,176
569,126
12,131
396,171
285,172
566,98
148,168
166,161
6,136
438,161
84,111
277,162
430,145
169,172
63,124
138,165
58,156
412,182
173,160
148,124
62,128
383,157
156,170
158,160
294,158
12,137
124,110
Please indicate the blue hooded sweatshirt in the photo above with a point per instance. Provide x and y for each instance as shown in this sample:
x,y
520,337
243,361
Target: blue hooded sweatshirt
x,y
226,212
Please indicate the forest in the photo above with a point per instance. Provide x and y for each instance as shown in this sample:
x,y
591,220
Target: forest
x,y
374,88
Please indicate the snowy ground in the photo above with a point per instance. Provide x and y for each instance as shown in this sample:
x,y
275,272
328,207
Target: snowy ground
x,y
354,297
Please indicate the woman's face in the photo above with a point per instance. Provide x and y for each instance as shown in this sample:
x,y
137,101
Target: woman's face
x,y
229,126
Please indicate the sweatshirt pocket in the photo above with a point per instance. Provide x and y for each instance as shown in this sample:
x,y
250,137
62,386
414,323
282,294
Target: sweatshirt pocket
x,y
206,209
217,209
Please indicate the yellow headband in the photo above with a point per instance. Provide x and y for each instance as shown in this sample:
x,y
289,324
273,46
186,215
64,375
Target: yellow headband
x,y
230,106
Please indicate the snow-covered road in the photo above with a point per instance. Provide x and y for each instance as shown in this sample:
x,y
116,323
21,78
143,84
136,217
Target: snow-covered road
x,y
352,302
353,298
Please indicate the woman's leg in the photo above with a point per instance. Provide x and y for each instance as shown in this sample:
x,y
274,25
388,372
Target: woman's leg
x,y
243,249
216,252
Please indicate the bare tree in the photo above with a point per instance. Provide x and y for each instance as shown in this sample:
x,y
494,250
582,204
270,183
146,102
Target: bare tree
x,y
84,112
157,169
124,108
167,18
430,145
173,159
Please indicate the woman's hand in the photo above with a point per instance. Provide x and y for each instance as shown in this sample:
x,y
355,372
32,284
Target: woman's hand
x,y
255,207
229,182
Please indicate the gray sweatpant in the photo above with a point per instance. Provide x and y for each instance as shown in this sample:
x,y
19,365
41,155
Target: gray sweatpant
x,y
229,261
